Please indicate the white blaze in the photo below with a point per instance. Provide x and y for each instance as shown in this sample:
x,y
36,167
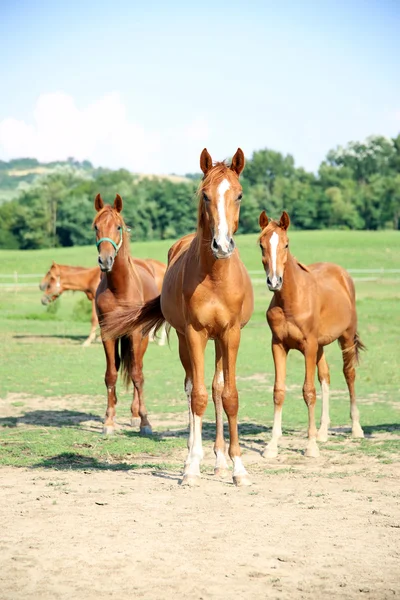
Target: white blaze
x,y
274,241
222,234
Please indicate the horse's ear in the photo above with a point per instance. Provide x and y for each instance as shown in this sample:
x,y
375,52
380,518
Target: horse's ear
x,y
285,221
263,220
98,203
118,203
238,161
205,161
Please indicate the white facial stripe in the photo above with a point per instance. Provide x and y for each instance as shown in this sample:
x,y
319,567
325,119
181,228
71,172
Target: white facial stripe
x,y
222,237
274,241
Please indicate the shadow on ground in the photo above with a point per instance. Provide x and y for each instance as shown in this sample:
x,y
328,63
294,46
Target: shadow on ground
x,y
50,418
80,462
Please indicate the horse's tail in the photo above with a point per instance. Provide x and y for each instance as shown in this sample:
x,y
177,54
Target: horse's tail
x,y
358,347
126,361
351,354
122,322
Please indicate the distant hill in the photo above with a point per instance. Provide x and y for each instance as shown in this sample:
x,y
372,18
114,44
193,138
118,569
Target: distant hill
x,y
24,170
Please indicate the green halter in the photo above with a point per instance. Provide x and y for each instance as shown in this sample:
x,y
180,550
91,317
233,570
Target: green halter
x,y
116,246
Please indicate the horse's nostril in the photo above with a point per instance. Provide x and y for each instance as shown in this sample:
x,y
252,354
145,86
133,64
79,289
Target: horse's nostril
x,y
231,245
214,244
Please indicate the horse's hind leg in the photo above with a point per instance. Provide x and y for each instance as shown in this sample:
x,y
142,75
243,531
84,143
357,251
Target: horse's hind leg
x,y
347,344
113,362
138,407
324,380
191,352
221,466
309,395
163,335
279,353
95,322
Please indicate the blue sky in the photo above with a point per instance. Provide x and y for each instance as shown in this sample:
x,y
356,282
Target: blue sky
x,y
147,85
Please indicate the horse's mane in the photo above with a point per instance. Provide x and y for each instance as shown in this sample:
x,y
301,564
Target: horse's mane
x,y
124,250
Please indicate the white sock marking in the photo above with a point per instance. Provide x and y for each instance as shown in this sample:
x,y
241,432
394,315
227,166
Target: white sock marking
x,y
238,467
325,404
274,241
222,236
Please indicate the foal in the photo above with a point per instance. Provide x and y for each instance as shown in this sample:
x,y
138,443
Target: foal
x,y
312,306
206,294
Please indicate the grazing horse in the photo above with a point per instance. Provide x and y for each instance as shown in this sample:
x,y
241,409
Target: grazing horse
x,y
60,278
312,306
123,283
206,294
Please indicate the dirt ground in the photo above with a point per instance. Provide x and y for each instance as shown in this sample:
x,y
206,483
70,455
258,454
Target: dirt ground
x,y
307,528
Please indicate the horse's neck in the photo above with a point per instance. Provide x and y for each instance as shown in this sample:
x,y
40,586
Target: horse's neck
x,y
78,281
291,279
118,277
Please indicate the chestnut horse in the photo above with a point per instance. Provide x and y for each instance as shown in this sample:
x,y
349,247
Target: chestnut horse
x,y
123,283
312,306
206,294
60,278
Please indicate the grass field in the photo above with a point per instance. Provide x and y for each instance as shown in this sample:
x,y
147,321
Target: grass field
x,y
42,359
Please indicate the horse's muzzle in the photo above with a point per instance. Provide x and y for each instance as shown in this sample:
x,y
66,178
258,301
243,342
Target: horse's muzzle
x,y
274,283
106,263
222,251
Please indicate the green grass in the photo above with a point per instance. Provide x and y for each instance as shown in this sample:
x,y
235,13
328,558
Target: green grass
x,y
42,356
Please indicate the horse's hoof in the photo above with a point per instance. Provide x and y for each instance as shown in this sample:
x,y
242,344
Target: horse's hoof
x,y
322,436
146,430
108,430
312,452
221,473
270,453
241,480
357,433
191,480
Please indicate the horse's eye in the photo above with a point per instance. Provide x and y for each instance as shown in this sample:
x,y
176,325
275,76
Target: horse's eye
x,y
95,228
287,246
205,198
239,197
119,227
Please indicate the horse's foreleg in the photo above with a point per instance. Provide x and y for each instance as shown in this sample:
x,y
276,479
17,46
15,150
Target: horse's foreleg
x,y
349,371
138,407
196,343
94,321
113,362
221,466
309,395
188,386
230,346
279,353
324,380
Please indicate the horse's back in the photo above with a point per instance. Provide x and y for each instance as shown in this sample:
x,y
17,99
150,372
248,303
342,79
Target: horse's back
x,y
331,275
336,299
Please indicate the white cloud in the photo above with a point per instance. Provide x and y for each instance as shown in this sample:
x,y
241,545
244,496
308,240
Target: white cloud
x,y
103,133
100,132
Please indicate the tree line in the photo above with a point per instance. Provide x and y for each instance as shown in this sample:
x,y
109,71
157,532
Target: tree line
x,y
356,187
